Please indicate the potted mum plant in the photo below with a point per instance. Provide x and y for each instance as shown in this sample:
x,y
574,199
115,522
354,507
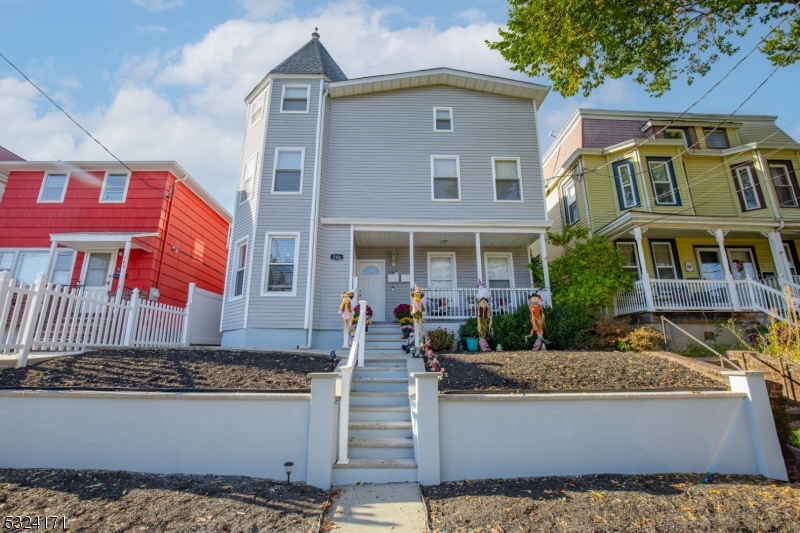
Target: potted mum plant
x,y
402,311
357,314
406,326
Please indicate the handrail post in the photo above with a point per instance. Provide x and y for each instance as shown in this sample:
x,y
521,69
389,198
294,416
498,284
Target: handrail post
x,y
187,315
362,335
750,293
32,311
344,415
130,325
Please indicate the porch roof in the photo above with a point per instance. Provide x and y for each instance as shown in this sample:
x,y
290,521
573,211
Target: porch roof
x,y
99,240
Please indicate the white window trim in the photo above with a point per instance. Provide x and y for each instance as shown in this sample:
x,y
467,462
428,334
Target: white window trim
x,y
242,178
63,191
283,294
458,178
111,266
635,256
124,192
675,265
308,98
71,264
671,179
452,123
510,257
751,175
565,205
234,269
785,172
747,249
452,255
17,252
302,168
250,121
494,180
700,272
632,175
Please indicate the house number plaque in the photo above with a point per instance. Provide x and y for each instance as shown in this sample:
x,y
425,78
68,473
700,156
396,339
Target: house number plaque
x,y
337,257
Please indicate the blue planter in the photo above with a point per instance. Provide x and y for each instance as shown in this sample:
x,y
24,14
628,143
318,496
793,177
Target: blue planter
x,y
472,345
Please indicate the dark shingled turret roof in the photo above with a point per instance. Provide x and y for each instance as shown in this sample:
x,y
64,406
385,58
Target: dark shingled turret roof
x,y
312,58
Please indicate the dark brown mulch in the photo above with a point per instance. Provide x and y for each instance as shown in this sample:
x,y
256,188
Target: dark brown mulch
x,y
662,503
559,370
172,369
97,500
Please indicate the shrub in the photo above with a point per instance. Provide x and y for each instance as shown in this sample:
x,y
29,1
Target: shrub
x,y
610,331
645,339
469,329
568,327
510,330
794,438
440,339
402,311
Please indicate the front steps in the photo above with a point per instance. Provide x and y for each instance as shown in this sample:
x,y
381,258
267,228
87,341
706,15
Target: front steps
x,y
381,444
383,339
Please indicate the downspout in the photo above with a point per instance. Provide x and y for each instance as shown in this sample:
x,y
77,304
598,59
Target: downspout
x,y
166,230
314,229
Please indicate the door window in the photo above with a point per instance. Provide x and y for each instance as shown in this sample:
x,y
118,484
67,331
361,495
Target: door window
x,y
710,265
664,260
629,257
742,263
97,270
789,259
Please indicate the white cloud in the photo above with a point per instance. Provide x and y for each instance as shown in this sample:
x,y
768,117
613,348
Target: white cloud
x,y
151,29
158,5
264,8
473,16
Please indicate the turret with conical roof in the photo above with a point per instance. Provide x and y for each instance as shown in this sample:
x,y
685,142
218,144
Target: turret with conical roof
x,y
312,58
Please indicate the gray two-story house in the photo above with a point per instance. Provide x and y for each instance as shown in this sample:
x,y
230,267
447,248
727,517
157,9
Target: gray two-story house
x,y
376,184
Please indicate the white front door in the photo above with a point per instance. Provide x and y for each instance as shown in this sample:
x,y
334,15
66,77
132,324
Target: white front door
x,y
97,271
371,287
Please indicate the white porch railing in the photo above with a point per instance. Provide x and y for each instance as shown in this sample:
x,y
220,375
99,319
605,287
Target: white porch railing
x,y
50,318
356,356
462,303
776,284
704,295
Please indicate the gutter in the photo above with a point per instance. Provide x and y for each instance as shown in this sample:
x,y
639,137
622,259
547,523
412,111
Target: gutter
x,y
314,229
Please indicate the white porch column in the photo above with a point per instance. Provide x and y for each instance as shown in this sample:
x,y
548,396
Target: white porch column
x,y
479,262
411,259
547,296
51,258
779,256
123,270
726,267
648,289
352,260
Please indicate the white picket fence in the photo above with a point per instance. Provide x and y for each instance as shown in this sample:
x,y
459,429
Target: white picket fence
x,y
49,318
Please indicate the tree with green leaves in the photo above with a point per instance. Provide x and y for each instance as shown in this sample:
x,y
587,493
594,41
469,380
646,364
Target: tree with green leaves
x,y
577,44
589,274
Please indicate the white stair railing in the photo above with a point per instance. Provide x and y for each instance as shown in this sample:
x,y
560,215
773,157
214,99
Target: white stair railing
x,y
356,357
760,297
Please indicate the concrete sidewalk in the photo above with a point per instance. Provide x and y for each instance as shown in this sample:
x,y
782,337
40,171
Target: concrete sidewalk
x,y
394,507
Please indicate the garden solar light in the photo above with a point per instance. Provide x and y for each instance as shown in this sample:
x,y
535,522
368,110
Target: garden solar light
x,y
288,466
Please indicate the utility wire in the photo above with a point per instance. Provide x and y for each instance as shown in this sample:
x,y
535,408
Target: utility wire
x,y
133,172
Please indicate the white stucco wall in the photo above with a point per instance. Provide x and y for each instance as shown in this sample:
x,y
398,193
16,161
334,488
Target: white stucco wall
x,y
495,436
190,433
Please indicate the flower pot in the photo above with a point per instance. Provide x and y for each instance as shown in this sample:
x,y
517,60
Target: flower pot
x,y
454,346
796,452
472,345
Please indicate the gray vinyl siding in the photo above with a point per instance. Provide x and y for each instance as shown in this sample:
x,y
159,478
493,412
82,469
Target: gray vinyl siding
x,y
2,189
284,212
323,193
233,317
381,147
335,278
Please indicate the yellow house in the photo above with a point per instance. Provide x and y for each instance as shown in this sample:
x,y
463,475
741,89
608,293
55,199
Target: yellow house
x,y
705,209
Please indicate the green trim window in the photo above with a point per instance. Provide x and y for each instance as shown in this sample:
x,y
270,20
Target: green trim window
x,y
627,190
662,178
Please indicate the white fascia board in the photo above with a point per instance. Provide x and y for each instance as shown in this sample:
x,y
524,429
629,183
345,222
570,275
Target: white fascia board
x,y
689,124
566,130
475,226
631,219
633,143
665,116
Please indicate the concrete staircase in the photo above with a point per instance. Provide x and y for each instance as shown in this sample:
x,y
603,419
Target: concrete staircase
x,y
381,444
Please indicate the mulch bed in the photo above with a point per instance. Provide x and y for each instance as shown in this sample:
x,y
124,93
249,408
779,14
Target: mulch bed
x,y
561,370
171,369
103,501
606,503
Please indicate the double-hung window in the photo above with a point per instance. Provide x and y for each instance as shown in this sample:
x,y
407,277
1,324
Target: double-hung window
x,y
570,199
445,184
115,188
630,258
442,270
288,175
507,181
783,179
747,187
6,261
240,265
664,260
248,180
280,267
257,108
54,187
499,270
62,269
662,176
715,138
442,119
295,99
627,190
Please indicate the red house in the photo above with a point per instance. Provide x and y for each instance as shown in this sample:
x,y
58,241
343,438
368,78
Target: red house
x,y
111,228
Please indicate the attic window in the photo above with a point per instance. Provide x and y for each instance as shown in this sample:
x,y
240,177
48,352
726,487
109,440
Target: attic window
x,y
677,133
442,119
716,139
295,99
257,108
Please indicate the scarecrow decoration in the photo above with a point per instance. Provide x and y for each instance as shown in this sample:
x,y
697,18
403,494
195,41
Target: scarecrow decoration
x,y
537,321
484,312
346,310
417,308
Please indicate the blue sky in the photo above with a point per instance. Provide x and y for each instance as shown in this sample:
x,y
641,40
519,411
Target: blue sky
x,y
165,79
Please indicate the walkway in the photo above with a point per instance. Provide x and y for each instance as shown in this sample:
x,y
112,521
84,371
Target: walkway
x,y
394,507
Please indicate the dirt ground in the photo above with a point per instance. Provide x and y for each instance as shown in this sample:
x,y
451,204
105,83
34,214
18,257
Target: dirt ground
x,y
101,501
172,369
611,503
561,370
